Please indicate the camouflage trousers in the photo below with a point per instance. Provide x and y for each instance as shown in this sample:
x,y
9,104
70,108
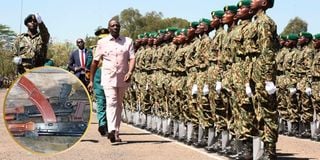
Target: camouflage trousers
x,y
223,102
243,113
203,107
265,105
178,86
305,101
191,114
281,96
316,98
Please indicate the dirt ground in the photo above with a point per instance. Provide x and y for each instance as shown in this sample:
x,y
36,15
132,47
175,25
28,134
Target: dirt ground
x,y
140,145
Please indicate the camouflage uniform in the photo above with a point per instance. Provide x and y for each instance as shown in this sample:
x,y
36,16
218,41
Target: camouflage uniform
x,y
315,72
32,50
302,65
265,71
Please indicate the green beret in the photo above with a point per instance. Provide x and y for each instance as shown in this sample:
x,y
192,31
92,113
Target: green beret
x,y
140,36
292,36
206,21
184,30
28,18
101,31
177,32
146,34
194,24
218,13
245,3
283,37
231,8
317,36
172,29
153,35
162,31
306,35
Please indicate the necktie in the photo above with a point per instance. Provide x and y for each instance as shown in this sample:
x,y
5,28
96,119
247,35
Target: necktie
x,y
82,59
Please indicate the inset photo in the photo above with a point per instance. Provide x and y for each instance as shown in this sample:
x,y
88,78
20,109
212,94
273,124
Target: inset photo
x,y
47,110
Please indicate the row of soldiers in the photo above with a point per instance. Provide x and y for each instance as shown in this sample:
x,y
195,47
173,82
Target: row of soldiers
x,y
218,86
220,92
298,77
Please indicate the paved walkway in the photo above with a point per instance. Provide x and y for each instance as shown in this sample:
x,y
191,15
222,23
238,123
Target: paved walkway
x,y
140,145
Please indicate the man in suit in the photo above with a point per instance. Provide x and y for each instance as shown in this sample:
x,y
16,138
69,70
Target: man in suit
x,y
80,61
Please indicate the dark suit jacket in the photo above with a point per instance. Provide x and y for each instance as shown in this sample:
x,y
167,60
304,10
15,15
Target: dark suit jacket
x,y
74,61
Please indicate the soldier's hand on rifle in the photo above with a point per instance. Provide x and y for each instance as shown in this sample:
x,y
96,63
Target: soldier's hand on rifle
x,y
38,18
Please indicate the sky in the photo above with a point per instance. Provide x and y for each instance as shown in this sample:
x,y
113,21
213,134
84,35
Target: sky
x,y
68,20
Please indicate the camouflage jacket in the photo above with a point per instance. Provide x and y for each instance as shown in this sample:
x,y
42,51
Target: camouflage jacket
x,y
302,60
315,67
35,47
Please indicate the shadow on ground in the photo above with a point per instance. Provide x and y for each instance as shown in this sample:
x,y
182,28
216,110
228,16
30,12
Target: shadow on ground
x,y
290,156
135,134
90,140
146,141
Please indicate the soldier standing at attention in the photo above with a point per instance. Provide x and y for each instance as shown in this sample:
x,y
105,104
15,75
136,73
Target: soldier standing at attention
x,y
213,73
264,76
281,79
302,65
290,83
31,47
315,72
241,45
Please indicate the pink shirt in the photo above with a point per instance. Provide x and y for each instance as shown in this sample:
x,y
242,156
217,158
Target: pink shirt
x,y
116,54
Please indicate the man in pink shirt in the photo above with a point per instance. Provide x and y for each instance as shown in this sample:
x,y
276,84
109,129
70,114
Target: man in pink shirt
x,y
118,64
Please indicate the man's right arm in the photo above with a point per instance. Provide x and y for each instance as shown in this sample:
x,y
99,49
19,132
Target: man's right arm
x,y
71,62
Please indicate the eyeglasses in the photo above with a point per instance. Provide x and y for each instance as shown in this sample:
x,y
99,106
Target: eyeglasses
x,y
79,41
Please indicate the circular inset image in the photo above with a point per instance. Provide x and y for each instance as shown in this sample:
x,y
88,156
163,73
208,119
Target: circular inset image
x,y
47,110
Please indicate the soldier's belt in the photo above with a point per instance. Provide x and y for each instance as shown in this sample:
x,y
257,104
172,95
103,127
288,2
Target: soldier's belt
x,y
280,73
300,75
28,60
315,79
178,74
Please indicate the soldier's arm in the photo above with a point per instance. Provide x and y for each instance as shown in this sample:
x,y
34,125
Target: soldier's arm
x,y
44,33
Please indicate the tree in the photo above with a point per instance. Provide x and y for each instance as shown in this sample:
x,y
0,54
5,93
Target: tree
x,y
7,37
59,53
295,25
133,23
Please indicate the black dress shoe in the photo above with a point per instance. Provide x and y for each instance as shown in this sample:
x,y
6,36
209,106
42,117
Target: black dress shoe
x,y
112,136
102,130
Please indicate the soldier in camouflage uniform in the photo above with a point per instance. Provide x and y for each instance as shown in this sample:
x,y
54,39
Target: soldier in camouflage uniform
x,y
241,45
192,90
138,82
302,65
282,88
264,76
31,47
315,85
289,82
214,71
201,63
168,51
178,80
223,87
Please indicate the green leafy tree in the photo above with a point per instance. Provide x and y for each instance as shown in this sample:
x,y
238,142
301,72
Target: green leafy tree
x,y
59,53
295,25
134,23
